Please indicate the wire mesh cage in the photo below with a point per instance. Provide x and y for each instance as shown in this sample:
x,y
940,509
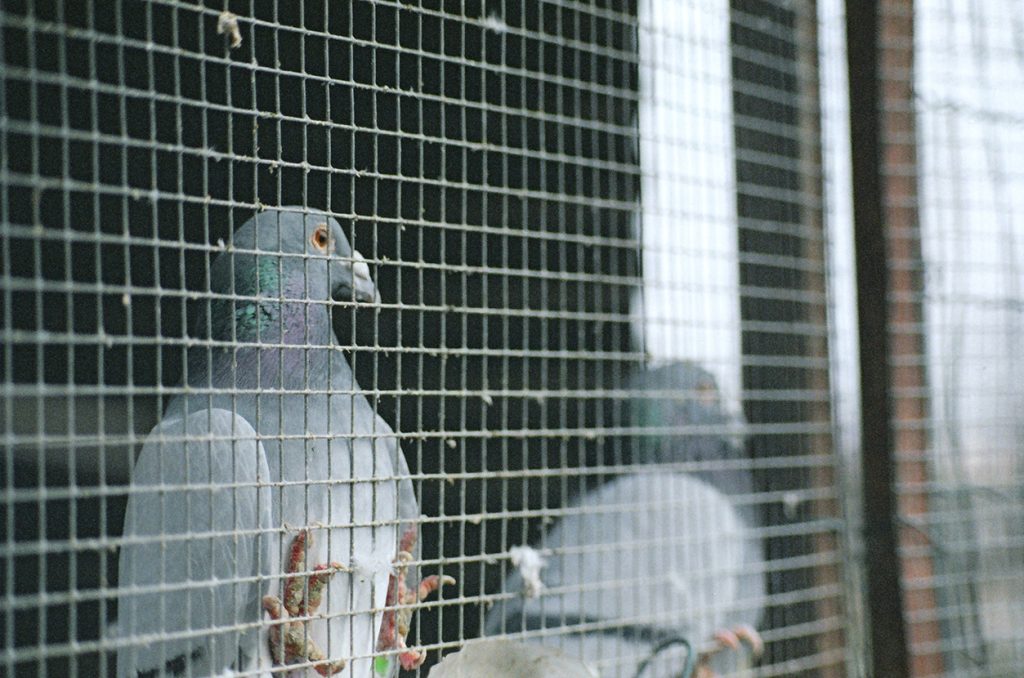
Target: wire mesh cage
x,y
952,72
342,336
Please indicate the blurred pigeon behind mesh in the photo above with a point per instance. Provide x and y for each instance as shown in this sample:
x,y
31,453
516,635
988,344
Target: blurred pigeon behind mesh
x,y
683,400
274,491
660,561
508,659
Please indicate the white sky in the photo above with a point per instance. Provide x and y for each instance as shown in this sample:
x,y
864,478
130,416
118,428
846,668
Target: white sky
x,y
690,305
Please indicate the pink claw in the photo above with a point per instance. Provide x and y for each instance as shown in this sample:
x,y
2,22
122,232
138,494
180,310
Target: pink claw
x,y
430,584
411,659
295,585
317,581
289,639
727,639
751,637
397,619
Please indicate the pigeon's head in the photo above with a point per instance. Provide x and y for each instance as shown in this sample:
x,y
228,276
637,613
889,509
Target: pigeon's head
x,y
312,254
282,269
679,393
348,272
683,402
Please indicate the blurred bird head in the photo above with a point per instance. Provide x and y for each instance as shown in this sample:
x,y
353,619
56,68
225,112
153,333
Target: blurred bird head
x,y
681,410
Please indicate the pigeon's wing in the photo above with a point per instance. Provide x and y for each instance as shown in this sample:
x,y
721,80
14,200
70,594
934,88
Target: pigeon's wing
x,y
508,659
197,546
385,509
751,588
408,506
362,518
397,508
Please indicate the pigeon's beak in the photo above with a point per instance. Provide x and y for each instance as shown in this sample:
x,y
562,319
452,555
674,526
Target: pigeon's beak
x,y
354,282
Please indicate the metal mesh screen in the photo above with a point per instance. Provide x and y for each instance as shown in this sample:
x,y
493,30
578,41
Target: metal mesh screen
x,y
542,285
953,73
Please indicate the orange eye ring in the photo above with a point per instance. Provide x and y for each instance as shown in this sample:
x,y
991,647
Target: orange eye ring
x,y
320,238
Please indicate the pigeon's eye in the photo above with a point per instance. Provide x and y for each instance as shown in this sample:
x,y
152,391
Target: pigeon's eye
x,y
320,238
707,394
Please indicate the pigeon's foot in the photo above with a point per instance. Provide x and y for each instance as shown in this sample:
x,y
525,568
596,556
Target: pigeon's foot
x,y
401,602
751,638
729,639
290,641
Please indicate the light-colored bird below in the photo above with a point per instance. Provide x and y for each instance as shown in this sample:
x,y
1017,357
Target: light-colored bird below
x,y
510,659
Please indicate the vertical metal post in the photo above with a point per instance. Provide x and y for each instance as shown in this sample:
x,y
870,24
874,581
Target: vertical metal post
x,y
885,594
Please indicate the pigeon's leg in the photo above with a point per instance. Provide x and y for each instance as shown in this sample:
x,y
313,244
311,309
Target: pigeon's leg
x,y
280,651
289,639
286,638
412,658
321,574
401,601
729,639
294,583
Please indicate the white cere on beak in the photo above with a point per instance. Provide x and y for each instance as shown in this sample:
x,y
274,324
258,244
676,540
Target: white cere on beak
x,y
360,269
366,290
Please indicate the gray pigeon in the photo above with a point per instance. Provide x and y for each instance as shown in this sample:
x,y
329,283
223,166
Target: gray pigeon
x,y
507,659
659,569
271,484
680,408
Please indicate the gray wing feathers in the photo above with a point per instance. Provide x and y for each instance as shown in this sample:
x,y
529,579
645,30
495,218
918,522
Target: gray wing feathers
x,y
666,551
197,546
408,507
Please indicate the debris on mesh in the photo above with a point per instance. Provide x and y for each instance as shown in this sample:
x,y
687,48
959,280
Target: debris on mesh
x,y
494,22
510,659
227,24
530,562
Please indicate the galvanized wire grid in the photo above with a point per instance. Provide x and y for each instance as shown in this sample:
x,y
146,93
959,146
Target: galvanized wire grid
x,y
551,198
955,206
